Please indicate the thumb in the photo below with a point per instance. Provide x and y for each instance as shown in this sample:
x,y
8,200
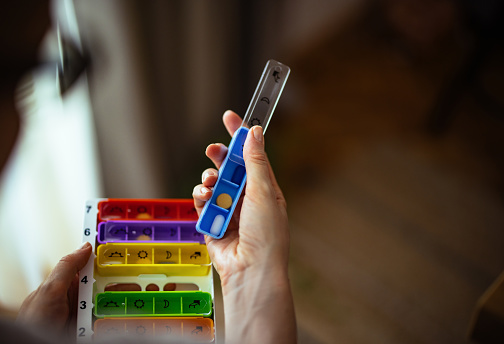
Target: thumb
x,y
259,184
69,265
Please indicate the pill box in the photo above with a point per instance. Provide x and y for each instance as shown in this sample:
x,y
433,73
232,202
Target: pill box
x,y
147,245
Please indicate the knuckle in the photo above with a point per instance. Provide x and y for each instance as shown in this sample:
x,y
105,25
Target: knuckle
x,y
53,287
281,201
258,158
68,259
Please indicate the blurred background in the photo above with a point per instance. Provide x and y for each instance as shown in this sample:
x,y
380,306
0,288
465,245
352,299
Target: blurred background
x,y
388,143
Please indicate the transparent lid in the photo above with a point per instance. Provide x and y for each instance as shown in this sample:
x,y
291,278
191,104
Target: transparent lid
x,y
266,95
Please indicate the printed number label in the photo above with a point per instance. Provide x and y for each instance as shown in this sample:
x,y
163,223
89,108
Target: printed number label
x,y
83,305
84,280
82,330
87,231
88,208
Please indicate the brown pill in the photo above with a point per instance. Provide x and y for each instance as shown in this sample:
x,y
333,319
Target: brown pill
x,y
143,237
224,201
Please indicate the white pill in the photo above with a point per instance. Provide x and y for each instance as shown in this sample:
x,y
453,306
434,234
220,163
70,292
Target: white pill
x,y
217,224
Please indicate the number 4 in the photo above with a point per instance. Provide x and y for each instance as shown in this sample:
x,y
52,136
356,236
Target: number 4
x,y
84,280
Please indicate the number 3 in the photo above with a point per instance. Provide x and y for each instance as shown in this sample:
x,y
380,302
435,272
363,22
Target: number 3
x,y
83,305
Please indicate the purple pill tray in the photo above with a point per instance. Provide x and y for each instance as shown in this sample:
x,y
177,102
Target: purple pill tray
x,y
148,231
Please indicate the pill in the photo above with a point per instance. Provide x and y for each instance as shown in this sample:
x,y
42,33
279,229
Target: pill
x,y
143,237
217,224
224,201
143,216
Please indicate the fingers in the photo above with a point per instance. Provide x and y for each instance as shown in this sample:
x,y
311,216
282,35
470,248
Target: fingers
x,y
66,269
258,161
217,153
209,177
201,194
231,121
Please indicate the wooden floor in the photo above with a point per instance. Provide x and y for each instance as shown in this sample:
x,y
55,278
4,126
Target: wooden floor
x,y
395,233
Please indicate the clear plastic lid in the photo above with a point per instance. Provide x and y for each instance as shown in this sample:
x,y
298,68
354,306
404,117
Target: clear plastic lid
x,y
266,95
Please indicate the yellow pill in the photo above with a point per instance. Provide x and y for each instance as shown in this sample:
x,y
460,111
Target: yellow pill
x,y
143,216
224,201
143,237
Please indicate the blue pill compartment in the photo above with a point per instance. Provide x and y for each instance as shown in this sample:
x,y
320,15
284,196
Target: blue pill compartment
x,y
231,180
236,147
233,173
212,211
225,187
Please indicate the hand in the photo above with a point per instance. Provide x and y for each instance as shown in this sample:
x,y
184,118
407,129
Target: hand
x,y
258,233
53,306
252,257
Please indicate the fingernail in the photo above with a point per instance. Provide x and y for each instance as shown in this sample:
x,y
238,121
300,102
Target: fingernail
x,y
204,190
208,174
258,133
84,246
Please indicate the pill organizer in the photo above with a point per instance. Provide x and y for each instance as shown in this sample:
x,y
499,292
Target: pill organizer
x,y
148,231
149,274
218,211
161,327
153,303
155,209
181,259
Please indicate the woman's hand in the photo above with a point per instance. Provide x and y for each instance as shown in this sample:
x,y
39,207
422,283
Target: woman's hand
x,y
252,257
53,306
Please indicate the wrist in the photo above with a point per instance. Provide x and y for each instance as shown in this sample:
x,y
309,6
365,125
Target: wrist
x,y
256,299
256,276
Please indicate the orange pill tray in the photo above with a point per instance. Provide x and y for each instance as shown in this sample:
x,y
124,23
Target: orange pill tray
x,y
149,275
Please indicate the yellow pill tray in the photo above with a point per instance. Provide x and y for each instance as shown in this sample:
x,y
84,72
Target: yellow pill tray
x,y
144,281
181,259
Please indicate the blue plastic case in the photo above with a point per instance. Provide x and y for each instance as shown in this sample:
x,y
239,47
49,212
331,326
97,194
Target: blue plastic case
x,y
218,211
232,176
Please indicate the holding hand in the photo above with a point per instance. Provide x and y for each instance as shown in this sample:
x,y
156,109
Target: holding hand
x,y
252,257
53,306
